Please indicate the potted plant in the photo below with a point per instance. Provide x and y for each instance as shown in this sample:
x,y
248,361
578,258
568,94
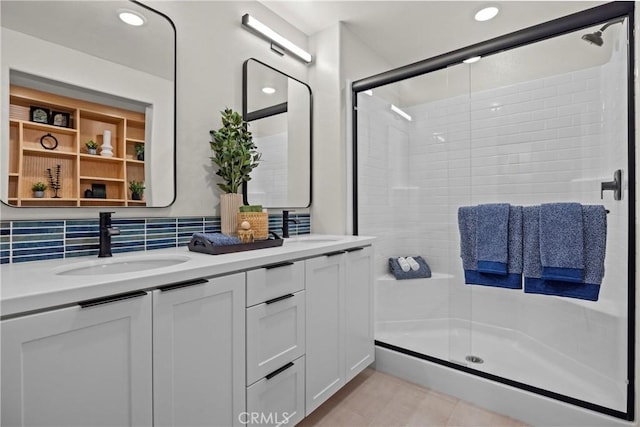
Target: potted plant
x,y
38,189
139,147
137,189
235,155
92,147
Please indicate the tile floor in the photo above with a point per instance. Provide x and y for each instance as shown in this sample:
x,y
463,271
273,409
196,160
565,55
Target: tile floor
x,y
374,398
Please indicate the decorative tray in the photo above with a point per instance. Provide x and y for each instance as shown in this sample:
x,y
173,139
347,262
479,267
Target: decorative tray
x,y
198,244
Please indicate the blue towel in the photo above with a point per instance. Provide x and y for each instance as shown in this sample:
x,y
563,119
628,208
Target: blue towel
x,y
467,223
492,238
423,272
562,242
594,228
218,239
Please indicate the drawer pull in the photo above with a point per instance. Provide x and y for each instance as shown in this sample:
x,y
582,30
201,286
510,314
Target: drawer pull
x,y
281,264
179,285
283,297
279,370
110,299
334,253
355,249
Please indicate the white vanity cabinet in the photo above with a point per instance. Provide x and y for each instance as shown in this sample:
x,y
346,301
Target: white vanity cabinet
x,y
198,352
339,321
83,365
276,304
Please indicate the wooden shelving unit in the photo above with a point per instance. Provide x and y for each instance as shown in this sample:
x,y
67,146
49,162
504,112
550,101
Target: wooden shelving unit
x,y
79,170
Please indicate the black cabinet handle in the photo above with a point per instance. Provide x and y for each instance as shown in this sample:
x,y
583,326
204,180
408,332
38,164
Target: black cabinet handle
x,y
355,249
334,253
179,285
281,264
279,370
283,297
111,298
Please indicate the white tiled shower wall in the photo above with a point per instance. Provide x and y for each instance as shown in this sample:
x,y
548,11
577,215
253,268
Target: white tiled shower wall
x,y
553,139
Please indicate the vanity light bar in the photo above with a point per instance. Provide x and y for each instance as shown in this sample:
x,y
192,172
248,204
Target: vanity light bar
x,y
400,112
257,26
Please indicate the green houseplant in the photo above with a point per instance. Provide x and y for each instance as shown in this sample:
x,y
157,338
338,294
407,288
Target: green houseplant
x,y
38,189
139,148
137,189
92,146
235,155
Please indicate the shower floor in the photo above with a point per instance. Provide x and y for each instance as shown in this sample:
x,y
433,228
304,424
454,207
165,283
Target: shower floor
x,y
507,354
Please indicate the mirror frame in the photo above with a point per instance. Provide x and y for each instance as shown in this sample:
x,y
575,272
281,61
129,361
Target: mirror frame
x,y
248,116
174,133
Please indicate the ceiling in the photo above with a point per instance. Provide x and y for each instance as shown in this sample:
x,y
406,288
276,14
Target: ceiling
x,y
92,27
403,32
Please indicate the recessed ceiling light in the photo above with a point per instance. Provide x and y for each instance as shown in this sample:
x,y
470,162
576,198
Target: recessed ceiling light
x,y
486,13
132,18
268,90
472,60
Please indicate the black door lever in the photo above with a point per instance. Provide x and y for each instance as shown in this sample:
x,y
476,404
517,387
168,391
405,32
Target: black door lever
x,y
615,186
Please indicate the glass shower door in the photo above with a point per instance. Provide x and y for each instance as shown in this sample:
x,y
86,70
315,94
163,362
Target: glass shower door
x,y
548,125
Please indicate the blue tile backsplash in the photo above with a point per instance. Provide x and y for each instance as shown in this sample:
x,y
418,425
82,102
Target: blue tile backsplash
x,y
22,241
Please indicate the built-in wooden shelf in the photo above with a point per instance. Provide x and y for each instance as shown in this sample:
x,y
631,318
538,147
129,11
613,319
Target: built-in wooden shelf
x,y
29,159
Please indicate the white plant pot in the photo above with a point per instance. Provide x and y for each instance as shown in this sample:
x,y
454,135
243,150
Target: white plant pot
x,y
92,150
38,194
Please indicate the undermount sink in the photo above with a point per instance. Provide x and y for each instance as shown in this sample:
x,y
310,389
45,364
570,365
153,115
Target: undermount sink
x,y
120,265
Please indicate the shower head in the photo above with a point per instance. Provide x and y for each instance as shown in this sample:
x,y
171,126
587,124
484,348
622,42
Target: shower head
x,y
596,38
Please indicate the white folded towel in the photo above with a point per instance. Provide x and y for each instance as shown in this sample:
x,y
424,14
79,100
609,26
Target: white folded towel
x,y
404,265
413,263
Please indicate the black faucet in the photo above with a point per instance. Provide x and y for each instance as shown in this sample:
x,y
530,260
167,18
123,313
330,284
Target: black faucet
x,y
106,231
285,223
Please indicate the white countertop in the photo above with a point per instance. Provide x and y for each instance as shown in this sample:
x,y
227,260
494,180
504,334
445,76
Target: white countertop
x,y
31,286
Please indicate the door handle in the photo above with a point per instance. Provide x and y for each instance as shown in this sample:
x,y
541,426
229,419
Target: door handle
x,y
615,186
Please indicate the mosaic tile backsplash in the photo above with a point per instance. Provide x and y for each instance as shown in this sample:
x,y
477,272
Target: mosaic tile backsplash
x,y
22,241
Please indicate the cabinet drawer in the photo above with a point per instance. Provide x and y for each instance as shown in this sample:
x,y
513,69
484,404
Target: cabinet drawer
x,y
275,335
273,281
278,400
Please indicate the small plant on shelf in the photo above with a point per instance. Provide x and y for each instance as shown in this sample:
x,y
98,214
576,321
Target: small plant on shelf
x,y
139,147
137,189
92,147
38,189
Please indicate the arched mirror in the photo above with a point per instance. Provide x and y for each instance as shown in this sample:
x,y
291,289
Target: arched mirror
x,y
278,109
75,76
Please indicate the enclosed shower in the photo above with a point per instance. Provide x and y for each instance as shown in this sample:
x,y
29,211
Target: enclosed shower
x,y
544,116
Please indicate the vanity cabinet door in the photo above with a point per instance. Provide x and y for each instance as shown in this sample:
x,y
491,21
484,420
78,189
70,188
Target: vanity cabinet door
x,y
325,280
199,353
84,365
359,340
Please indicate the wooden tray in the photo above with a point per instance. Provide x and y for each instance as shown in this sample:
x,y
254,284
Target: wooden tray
x,y
198,244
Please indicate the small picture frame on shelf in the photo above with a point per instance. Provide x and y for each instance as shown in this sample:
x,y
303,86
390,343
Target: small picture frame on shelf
x,y
99,191
59,118
39,115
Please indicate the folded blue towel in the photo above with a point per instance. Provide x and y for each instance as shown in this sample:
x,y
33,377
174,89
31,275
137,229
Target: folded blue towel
x,y
594,218
423,272
562,242
218,239
467,223
594,228
492,238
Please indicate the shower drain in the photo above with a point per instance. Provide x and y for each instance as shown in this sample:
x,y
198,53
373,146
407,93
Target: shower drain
x,y
474,359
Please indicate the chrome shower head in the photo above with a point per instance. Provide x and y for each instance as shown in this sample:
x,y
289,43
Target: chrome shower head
x,y
594,38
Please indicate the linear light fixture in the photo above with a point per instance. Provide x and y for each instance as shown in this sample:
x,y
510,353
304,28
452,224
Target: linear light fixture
x,y
261,29
400,112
